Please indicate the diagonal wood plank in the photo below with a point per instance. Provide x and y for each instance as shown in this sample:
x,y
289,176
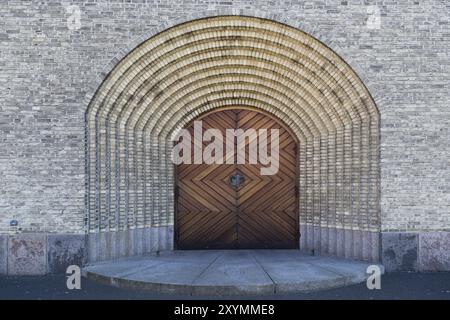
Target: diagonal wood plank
x,y
261,213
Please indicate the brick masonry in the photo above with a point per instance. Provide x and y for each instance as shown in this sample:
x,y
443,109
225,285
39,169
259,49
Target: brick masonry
x,y
50,73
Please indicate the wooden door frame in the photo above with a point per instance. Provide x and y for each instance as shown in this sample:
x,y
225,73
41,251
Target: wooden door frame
x,y
297,168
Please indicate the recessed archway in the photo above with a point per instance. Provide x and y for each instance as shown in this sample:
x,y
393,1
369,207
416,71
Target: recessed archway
x,y
209,63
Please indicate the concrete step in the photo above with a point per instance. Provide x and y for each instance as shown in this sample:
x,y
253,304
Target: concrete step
x,y
229,272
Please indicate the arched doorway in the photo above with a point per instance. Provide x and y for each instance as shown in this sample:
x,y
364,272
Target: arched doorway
x,y
215,62
232,204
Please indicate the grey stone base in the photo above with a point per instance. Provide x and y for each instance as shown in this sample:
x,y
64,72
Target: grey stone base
x,y
400,251
3,254
343,243
134,242
37,253
416,251
64,251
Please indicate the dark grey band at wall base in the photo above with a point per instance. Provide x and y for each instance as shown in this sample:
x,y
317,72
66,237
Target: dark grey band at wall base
x,y
415,251
3,254
127,243
40,253
34,253
339,242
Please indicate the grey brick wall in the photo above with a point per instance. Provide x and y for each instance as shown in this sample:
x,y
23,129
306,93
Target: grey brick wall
x,y
48,73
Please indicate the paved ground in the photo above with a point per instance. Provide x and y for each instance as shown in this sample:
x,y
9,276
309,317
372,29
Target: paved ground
x,y
230,272
393,286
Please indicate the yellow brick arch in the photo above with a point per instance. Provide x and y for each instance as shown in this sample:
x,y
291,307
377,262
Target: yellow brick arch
x,y
194,67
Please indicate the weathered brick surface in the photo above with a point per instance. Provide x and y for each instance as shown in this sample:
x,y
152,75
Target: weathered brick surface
x,y
49,73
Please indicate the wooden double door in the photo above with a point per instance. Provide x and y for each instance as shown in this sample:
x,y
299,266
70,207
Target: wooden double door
x,y
234,206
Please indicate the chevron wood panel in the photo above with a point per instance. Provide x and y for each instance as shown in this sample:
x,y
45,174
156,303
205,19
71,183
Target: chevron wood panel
x,y
260,213
206,205
267,212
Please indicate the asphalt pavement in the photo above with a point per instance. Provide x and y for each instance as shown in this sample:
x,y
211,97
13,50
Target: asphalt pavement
x,y
393,286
